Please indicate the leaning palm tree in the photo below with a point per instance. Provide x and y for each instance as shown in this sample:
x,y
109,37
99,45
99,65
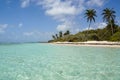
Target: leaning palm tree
x,y
90,14
109,16
60,34
56,36
53,37
67,33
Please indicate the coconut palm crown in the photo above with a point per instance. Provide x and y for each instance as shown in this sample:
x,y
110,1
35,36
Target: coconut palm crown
x,y
109,16
90,14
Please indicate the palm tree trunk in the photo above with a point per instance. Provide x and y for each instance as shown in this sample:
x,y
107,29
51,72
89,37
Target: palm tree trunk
x,y
88,31
111,28
89,26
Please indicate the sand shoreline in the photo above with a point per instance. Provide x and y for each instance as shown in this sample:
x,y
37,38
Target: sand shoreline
x,y
90,43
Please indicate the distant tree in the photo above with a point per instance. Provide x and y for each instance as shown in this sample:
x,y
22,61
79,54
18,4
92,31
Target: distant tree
x,y
116,36
67,33
60,34
56,36
109,17
90,14
53,37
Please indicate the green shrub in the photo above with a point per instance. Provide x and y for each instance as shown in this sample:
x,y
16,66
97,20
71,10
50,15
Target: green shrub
x,y
116,37
98,34
93,37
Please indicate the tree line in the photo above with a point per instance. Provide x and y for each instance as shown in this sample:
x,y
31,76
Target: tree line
x,y
108,16
107,33
60,35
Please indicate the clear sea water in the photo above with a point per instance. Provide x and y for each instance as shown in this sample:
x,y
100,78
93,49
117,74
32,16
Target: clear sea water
x,y
38,61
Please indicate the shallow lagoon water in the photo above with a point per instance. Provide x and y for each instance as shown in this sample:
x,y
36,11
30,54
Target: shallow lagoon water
x,y
38,61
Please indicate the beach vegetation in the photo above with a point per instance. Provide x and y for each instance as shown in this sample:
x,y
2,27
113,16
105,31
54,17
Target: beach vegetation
x,y
90,14
111,32
109,17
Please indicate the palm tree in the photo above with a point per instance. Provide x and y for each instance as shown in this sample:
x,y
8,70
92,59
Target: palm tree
x,y
90,14
109,16
67,33
53,37
60,34
56,36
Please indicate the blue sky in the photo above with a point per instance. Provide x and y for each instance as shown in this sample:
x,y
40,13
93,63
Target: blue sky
x,y
37,20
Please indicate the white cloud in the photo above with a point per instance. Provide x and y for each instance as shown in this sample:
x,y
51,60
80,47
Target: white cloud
x,y
62,8
20,25
58,8
71,26
25,3
37,36
91,28
101,25
118,22
3,27
63,27
77,30
95,2
64,11
96,26
37,33
66,7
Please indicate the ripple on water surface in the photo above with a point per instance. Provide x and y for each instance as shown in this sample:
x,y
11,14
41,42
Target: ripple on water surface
x,y
51,62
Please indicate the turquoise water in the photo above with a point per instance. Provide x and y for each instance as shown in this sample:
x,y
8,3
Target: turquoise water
x,y
52,62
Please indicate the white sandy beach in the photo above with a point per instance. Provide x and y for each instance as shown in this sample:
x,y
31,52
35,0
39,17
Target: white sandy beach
x,y
90,43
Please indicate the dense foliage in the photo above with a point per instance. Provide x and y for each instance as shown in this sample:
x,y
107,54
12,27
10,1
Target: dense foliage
x,y
96,35
110,33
